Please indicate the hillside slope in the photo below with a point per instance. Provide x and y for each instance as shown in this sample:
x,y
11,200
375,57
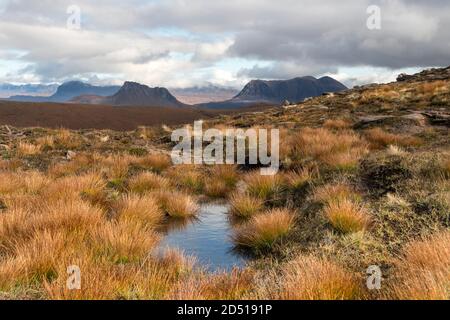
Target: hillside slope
x,y
278,91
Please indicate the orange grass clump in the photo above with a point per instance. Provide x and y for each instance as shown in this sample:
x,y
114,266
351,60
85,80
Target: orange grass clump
x,y
311,278
423,273
144,210
379,139
340,150
346,216
264,229
147,181
245,206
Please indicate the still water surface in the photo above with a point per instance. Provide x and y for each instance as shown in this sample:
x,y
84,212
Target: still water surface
x,y
206,238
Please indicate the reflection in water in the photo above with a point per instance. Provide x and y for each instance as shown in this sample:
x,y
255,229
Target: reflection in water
x,y
206,237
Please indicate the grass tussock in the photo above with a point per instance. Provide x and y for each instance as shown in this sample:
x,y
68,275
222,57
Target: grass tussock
x,y
124,241
340,150
266,188
116,167
177,204
336,192
342,207
66,139
346,216
423,273
337,124
263,230
80,163
298,180
147,182
90,184
142,209
311,278
156,162
245,206
17,224
221,180
187,177
46,142
25,149
379,139
232,285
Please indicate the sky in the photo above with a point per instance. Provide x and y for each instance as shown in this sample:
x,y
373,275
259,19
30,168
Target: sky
x,y
183,43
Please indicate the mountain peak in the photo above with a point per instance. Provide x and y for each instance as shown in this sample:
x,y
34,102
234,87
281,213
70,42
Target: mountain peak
x,y
136,94
295,90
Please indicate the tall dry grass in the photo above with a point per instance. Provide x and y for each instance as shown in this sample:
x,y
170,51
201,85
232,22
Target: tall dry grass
x,y
346,216
156,162
233,285
378,139
244,205
146,182
266,188
312,278
27,149
335,192
39,242
342,207
297,180
177,204
142,209
220,180
263,230
423,272
66,139
337,124
187,177
340,150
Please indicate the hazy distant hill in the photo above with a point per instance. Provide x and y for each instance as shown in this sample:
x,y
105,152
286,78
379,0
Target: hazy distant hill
x,y
278,91
209,93
68,91
7,89
134,94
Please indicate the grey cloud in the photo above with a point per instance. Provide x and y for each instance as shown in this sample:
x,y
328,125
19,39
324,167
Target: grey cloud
x,y
297,37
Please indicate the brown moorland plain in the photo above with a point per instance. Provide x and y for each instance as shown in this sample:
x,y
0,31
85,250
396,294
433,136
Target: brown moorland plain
x,y
364,181
79,116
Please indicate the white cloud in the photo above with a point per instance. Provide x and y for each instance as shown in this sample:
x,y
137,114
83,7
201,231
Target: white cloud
x,y
121,40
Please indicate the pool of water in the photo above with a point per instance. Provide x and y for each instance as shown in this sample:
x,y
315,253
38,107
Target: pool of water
x,y
207,238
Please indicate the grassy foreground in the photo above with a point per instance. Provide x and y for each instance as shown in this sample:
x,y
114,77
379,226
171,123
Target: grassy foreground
x,y
365,181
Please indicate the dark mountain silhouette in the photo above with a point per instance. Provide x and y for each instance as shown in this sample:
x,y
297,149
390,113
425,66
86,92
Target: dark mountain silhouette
x,y
70,90
134,94
278,91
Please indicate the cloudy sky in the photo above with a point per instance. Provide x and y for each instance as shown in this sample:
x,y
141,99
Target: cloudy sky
x,y
180,43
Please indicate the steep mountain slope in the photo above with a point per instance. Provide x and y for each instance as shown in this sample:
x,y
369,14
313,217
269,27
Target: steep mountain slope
x,y
278,91
134,94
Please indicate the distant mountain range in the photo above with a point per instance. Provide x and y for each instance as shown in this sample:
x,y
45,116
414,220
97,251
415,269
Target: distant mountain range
x,y
278,91
135,94
68,91
7,89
